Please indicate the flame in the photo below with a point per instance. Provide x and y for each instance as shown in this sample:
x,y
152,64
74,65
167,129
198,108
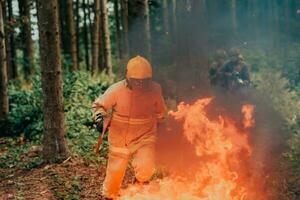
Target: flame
x,y
248,110
223,150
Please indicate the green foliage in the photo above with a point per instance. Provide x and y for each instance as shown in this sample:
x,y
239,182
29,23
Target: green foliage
x,y
286,61
285,100
26,116
25,110
80,90
277,76
17,156
68,189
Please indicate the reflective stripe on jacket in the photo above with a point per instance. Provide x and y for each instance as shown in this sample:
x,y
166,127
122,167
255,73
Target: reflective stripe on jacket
x,y
135,115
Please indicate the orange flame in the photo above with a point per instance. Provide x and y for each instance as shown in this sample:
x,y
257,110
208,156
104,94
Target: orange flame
x,y
223,150
248,110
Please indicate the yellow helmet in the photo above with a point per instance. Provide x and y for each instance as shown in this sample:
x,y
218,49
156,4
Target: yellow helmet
x,y
139,68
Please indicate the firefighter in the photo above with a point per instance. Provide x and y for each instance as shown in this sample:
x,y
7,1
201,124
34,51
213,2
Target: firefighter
x,y
234,73
137,107
214,70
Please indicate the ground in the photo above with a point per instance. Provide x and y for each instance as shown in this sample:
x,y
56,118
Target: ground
x,y
74,178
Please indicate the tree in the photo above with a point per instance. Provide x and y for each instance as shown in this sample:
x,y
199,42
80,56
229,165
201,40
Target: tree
x,y
95,43
233,16
54,141
10,40
12,47
139,22
124,21
77,9
106,36
3,69
28,50
118,30
72,36
146,17
85,34
166,17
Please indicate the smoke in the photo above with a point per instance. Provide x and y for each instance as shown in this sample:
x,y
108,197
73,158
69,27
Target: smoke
x,y
181,59
266,138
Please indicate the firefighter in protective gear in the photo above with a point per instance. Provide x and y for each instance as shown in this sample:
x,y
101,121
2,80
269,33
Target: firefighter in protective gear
x,y
215,68
136,106
235,73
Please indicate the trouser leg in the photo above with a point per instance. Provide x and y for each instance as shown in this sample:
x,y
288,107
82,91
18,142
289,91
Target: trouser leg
x,y
116,167
144,163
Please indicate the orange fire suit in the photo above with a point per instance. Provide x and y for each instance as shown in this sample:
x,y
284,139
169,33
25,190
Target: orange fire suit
x,y
132,133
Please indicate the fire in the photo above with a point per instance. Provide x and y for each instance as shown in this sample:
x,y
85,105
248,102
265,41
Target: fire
x,y
223,150
248,110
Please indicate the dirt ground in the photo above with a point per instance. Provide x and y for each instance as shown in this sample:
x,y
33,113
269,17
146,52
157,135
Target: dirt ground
x,y
73,179
70,180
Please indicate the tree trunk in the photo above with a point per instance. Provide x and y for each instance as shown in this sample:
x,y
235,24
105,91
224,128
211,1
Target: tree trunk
x,y
85,35
54,142
233,16
118,30
28,49
64,35
147,28
6,33
72,36
174,18
166,17
173,30
3,69
77,30
11,47
124,18
139,22
101,57
287,16
95,52
90,10
106,36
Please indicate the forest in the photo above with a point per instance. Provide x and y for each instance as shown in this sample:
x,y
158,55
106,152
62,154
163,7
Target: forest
x,y
57,57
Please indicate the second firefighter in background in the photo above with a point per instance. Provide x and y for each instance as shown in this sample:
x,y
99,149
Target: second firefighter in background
x,y
137,106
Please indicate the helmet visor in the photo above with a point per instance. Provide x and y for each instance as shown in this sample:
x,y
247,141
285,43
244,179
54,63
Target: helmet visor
x,y
141,85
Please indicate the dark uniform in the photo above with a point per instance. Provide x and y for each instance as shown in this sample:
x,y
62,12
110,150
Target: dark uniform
x,y
216,66
234,73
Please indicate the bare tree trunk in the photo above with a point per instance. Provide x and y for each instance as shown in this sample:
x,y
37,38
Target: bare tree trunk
x,y
124,18
28,50
275,27
118,30
11,47
77,29
233,16
147,28
6,33
166,17
64,35
174,30
54,142
72,36
139,22
174,18
287,15
101,59
95,52
3,69
85,35
106,36
91,28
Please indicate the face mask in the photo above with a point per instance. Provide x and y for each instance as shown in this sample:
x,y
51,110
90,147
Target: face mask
x,y
140,85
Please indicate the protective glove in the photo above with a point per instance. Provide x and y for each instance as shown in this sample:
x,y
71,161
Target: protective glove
x,y
99,120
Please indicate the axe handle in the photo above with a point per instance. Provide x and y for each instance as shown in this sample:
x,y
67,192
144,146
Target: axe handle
x,y
105,128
